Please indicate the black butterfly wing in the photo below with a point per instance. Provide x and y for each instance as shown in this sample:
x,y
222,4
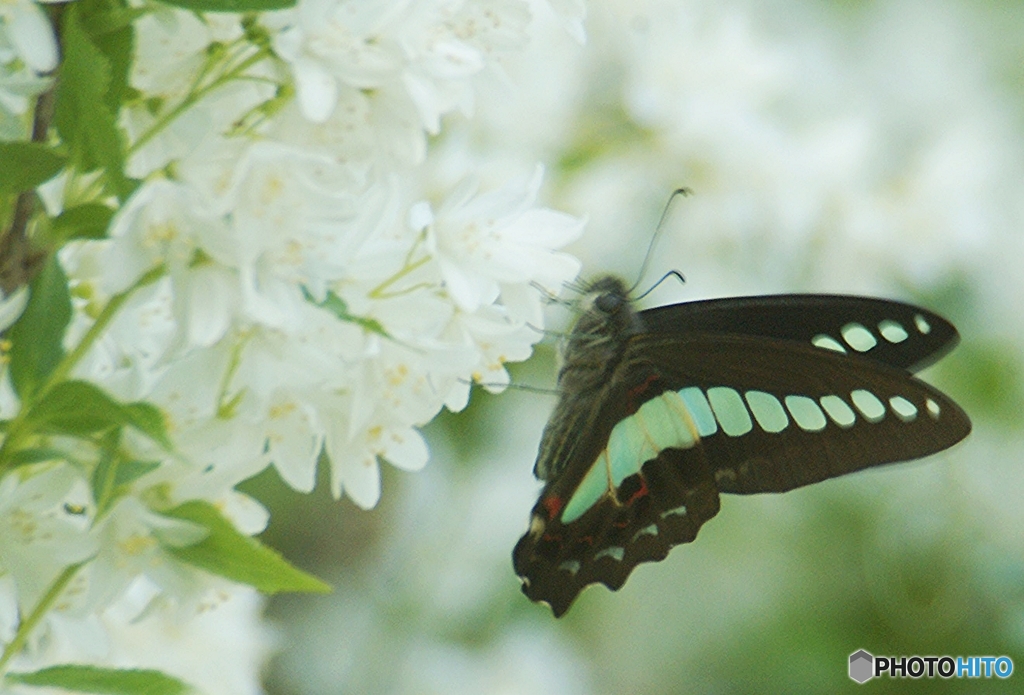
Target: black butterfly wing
x,y
639,520
786,414
900,335
665,507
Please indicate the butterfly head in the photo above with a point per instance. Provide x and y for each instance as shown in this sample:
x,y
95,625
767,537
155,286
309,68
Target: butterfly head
x,y
605,310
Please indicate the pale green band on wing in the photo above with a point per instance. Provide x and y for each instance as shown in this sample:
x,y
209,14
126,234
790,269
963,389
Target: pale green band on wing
x,y
591,489
767,410
904,409
661,423
729,409
858,337
806,413
892,331
628,447
837,409
828,343
700,410
868,404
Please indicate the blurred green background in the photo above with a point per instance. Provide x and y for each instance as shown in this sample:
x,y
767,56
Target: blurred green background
x,y
853,146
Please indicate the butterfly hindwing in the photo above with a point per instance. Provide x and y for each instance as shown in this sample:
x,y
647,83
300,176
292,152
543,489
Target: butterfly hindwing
x,y
780,414
651,511
898,334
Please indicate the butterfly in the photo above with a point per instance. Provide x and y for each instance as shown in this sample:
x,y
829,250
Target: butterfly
x,y
661,410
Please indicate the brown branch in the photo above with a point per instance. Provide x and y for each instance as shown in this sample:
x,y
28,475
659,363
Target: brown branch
x,y
19,261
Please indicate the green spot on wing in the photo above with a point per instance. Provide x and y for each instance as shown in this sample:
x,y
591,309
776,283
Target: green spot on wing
x,y
837,409
592,488
868,404
904,409
660,423
828,343
700,410
806,413
858,337
892,331
729,409
767,410
628,448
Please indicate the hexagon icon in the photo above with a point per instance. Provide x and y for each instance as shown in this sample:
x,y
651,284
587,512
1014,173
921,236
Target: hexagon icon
x,y
862,666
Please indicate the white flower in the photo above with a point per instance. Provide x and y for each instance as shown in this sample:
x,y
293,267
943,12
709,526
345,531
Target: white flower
x,y
174,47
483,240
171,48
129,539
399,66
571,13
12,306
25,26
44,518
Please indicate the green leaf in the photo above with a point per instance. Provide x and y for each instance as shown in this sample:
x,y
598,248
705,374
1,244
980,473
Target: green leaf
x,y
82,115
231,554
79,409
37,335
25,165
149,420
107,681
113,473
337,306
88,221
231,5
105,23
130,471
75,408
25,457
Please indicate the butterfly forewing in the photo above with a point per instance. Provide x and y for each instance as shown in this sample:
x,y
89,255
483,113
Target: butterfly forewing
x,y
786,414
898,334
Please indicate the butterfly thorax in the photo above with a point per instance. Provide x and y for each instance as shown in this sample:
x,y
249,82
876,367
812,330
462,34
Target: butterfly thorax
x,y
598,338
590,354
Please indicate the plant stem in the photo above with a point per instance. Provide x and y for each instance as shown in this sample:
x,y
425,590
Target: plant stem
x,y
37,614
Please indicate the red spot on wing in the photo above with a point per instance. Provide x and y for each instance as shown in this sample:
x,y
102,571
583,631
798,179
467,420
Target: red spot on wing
x,y
643,491
553,506
633,395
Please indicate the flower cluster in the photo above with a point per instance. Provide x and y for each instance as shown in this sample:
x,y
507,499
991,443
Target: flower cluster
x,y
277,283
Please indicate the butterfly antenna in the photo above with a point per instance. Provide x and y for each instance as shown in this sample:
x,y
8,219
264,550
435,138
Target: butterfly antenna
x,y
670,274
654,239
511,385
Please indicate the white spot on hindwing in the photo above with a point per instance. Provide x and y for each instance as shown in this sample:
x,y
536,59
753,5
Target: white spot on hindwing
x,y
676,511
615,552
651,530
570,566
